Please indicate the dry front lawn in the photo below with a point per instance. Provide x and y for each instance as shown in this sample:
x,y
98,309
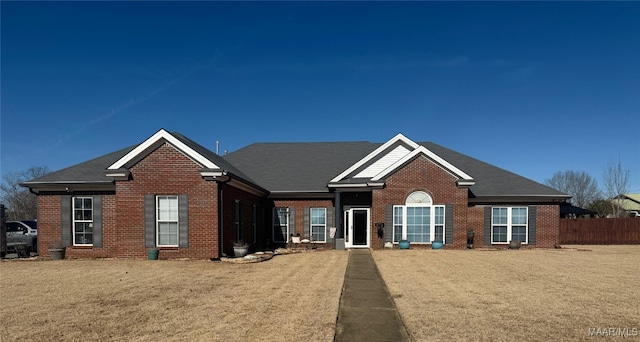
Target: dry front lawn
x,y
524,295
289,298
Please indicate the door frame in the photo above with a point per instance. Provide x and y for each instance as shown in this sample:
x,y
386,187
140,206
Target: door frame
x,y
348,227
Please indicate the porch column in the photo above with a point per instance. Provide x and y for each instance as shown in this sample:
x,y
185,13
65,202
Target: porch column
x,y
339,240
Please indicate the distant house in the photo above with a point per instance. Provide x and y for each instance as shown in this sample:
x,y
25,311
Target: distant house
x,y
630,203
171,193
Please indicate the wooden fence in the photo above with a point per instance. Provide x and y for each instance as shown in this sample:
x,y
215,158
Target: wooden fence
x,y
600,231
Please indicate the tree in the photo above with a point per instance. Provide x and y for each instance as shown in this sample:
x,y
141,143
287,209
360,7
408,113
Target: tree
x,y
601,207
582,187
616,183
20,202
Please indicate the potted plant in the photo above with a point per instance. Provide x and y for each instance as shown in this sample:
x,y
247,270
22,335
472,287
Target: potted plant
x,y
56,250
436,244
515,244
240,248
404,244
153,253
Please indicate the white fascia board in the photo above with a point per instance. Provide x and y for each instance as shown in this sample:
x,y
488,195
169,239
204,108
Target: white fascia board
x,y
162,134
370,156
421,149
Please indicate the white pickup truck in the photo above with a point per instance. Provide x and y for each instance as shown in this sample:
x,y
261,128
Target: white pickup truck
x,y
22,236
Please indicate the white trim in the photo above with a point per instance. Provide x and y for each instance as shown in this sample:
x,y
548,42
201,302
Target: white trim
x,y
509,225
324,226
432,221
153,140
74,220
176,221
439,161
348,228
398,138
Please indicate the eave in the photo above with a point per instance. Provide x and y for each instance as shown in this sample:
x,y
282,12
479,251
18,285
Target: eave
x,y
518,199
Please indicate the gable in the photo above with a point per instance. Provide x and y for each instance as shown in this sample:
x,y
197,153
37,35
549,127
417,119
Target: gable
x,y
388,158
156,141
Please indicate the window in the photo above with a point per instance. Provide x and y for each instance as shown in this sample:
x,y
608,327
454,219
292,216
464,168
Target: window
x,y
167,221
418,221
280,224
509,224
318,224
83,221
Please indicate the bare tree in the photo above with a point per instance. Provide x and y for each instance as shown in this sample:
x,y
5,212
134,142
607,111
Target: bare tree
x,y
582,187
616,183
20,202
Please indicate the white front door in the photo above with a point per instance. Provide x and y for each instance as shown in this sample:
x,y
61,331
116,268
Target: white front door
x,y
357,232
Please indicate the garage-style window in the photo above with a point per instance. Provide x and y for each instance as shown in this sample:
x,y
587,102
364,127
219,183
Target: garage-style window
x,y
82,221
167,221
509,224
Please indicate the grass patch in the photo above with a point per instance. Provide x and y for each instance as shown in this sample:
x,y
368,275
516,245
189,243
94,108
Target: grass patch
x,y
509,295
289,298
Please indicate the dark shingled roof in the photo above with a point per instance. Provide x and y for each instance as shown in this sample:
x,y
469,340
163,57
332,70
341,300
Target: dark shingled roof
x,y
309,167
92,171
492,180
298,167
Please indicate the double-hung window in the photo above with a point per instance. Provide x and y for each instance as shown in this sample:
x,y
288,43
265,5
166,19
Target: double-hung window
x,y
418,221
509,224
280,224
167,221
318,224
83,221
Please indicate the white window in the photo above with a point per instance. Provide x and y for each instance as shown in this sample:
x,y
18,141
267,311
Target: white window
x,y
318,224
167,221
418,221
280,224
83,221
509,224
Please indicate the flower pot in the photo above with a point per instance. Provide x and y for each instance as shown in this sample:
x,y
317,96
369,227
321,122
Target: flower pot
x,y
404,244
56,253
152,254
436,245
515,244
240,251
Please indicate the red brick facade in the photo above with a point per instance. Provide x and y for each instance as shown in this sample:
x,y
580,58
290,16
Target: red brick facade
x,y
212,205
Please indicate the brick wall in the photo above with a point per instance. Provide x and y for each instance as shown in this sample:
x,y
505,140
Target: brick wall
x,y
422,174
299,206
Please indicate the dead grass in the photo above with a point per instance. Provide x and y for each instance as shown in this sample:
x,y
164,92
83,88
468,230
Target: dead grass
x,y
524,295
289,298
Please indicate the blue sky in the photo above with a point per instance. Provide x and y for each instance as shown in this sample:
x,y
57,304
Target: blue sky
x,y
532,87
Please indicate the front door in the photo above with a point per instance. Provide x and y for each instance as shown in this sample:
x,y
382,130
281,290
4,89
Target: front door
x,y
356,228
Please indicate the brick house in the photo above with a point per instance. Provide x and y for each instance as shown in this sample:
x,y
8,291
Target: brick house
x,y
171,193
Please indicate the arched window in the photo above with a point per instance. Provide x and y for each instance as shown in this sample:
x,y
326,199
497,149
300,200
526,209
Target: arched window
x,y
418,221
419,197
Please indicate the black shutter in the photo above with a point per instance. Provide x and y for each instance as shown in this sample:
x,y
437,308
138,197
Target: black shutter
x,y
448,224
97,221
149,220
292,222
388,223
183,221
533,213
487,225
306,234
66,230
331,219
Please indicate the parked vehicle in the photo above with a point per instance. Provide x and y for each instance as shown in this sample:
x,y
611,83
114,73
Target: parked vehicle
x,y
22,234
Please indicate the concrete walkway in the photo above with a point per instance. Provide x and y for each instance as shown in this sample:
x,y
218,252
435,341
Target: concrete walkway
x,y
367,312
